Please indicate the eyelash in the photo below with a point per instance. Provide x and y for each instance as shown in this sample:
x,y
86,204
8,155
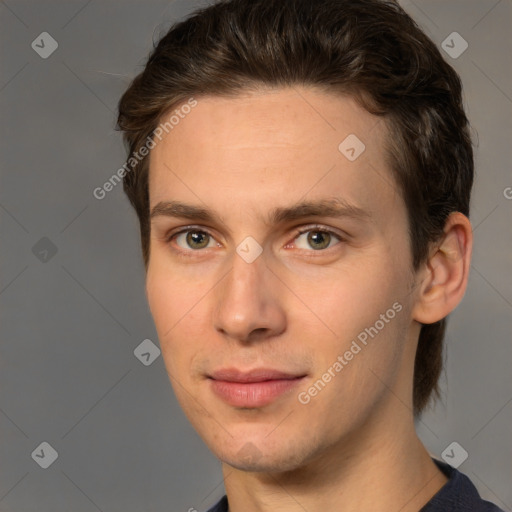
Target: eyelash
x,y
297,233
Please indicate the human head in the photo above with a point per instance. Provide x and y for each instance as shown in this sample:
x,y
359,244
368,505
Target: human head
x,y
369,49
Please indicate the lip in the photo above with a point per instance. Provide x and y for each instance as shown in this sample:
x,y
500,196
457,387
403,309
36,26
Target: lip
x,y
256,375
254,388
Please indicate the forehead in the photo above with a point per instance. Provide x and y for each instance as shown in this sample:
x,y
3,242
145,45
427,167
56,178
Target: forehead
x,y
263,147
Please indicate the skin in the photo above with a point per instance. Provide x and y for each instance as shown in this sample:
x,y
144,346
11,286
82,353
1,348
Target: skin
x,y
296,308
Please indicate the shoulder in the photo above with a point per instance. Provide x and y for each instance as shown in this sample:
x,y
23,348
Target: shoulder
x,y
221,506
458,494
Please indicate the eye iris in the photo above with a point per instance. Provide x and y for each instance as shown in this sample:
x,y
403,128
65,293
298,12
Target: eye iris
x,y
319,239
194,239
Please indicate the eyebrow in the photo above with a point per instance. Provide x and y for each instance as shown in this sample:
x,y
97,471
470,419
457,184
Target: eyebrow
x,y
336,208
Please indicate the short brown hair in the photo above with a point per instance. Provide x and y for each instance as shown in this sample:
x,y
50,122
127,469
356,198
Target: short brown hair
x,y
370,49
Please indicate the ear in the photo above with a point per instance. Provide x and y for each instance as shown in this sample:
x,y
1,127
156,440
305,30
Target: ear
x,y
444,277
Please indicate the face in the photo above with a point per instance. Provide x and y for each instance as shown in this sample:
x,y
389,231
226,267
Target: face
x,y
279,275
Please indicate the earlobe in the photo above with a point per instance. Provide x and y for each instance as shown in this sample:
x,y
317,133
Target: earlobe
x,y
445,274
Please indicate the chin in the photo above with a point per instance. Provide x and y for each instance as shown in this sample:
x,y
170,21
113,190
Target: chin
x,y
263,456
271,463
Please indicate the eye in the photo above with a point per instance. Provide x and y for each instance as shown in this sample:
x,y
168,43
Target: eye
x,y
193,239
317,238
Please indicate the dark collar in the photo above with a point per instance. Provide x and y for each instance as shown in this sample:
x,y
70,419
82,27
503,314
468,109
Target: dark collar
x,y
456,495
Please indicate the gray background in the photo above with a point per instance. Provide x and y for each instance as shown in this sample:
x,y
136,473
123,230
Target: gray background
x,y
72,320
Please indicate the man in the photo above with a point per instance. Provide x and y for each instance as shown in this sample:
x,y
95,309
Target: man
x,y
302,173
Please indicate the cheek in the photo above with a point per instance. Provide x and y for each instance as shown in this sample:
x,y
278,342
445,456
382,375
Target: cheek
x,y
162,299
171,293
351,377
172,304
365,309
352,298
176,312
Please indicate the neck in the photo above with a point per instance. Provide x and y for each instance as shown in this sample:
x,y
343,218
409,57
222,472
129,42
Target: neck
x,y
382,463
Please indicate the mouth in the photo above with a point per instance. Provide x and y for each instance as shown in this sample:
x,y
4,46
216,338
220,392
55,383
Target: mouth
x,y
252,389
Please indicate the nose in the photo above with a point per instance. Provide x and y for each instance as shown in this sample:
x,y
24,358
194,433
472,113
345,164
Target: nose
x,y
248,307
